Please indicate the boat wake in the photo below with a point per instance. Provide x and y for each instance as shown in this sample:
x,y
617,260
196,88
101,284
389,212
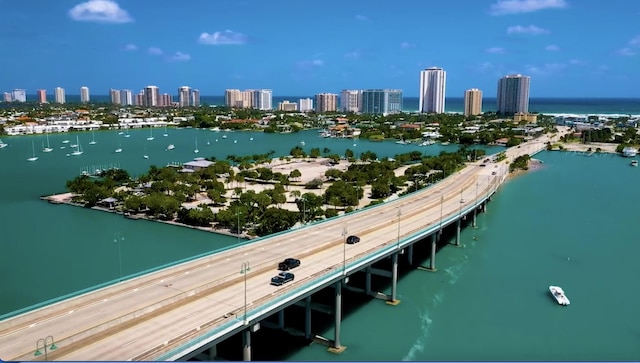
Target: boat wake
x,y
419,345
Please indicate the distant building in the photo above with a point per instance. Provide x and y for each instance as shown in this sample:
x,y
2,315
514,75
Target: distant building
x,y
126,97
151,96
140,99
165,100
84,94
326,102
7,97
513,94
19,95
472,102
305,104
432,90
287,106
42,96
114,94
184,96
260,99
381,101
195,98
350,100
59,95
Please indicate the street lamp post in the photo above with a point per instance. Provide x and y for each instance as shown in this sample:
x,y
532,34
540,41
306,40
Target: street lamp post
x,y
244,269
118,238
44,342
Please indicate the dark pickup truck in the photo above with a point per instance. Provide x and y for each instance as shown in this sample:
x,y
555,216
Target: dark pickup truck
x,y
288,264
282,278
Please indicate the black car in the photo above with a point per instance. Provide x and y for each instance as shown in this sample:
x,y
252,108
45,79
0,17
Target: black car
x,y
282,278
288,264
353,240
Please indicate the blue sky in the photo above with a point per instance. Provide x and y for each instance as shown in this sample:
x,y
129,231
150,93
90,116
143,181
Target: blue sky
x,y
570,48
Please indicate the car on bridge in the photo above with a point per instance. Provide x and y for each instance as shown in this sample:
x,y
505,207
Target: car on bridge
x,y
288,264
282,278
353,240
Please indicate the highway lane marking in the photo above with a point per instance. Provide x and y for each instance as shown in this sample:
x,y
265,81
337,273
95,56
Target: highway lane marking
x,y
128,343
70,311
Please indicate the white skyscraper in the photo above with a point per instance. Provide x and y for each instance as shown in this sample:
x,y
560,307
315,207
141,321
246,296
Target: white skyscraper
x,y
262,99
305,104
126,97
84,94
350,100
432,90
184,96
195,98
59,95
19,95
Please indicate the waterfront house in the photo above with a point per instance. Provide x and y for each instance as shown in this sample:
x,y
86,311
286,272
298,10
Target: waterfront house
x,y
195,165
629,152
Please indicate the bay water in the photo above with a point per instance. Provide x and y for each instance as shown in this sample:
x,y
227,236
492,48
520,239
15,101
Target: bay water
x,y
570,223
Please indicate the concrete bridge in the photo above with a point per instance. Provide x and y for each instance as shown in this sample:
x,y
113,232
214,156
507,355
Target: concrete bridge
x,y
183,311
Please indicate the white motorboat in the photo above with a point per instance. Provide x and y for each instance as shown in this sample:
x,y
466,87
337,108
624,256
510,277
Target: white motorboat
x,y
634,162
171,147
3,145
559,295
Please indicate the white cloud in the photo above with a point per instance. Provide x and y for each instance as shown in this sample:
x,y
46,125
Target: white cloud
x,y
306,64
545,68
131,47
531,29
155,51
180,57
353,54
576,62
100,11
552,48
626,52
362,17
407,45
635,42
495,50
222,38
503,7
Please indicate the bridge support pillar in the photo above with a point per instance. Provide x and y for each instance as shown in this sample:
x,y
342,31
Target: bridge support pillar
x,y
410,255
432,257
336,347
213,352
484,207
367,280
246,345
281,319
458,222
394,280
307,317
475,212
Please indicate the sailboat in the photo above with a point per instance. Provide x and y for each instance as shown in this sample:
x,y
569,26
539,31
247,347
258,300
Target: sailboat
x,y
47,149
93,137
145,153
33,150
3,145
127,134
119,149
165,131
196,149
78,150
150,134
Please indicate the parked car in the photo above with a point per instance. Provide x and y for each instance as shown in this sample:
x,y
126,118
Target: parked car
x,y
353,240
282,278
288,264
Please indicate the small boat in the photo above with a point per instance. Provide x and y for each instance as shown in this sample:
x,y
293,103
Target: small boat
x,y
33,150
224,136
165,131
78,150
93,138
120,133
150,134
208,143
251,139
195,151
47,149
559,295
302,143
171,147
65,141
3,145
118,150
634,162
444,143
145,156
127,134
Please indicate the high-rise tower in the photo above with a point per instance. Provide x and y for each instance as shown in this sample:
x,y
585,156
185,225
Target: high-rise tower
x,y
472,102
513,94
432,87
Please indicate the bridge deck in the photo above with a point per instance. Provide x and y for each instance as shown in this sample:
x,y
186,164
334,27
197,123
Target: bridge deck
x,y
146,317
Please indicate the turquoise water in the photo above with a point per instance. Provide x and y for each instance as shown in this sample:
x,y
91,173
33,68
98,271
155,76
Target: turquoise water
x,y
570,223
53,250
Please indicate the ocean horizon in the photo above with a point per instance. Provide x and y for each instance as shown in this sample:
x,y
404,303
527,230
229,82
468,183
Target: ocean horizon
x,y
544,105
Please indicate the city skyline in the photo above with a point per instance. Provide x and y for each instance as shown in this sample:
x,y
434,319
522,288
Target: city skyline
x,y
104,44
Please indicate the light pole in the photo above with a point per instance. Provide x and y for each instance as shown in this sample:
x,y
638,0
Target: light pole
x,y
44,342
399,214
244,269
238,226
344,251
118,238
